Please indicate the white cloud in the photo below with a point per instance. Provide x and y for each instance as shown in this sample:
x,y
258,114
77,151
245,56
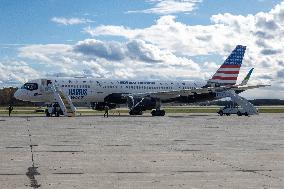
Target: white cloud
x,y
131,59
53,59
16,72
164,50
263,33
166,33
96,48
169,6
116,51
45,53
70,21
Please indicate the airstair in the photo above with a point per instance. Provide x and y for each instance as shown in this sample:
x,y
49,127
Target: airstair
x,y
64,102
244,103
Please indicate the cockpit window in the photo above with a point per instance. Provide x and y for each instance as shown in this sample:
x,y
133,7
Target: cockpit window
x,y
30,86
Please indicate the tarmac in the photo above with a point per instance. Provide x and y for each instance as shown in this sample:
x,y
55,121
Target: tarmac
x,y
175,151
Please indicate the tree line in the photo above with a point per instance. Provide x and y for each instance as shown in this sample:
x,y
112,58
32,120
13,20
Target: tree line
x,y
7,98
256,102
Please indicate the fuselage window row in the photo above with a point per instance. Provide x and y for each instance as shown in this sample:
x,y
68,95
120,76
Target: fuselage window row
x,y
76,86
126,86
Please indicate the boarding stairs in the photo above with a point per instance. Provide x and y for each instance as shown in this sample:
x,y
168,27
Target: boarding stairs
x,y
64,102
244,103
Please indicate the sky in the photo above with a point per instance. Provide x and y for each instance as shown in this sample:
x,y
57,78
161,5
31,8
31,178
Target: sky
x,y
141,39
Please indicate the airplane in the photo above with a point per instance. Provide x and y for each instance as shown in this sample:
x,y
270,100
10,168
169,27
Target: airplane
x,y
140,95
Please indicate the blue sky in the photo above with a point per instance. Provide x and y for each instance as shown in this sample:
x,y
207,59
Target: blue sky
x,y
29,28
28,22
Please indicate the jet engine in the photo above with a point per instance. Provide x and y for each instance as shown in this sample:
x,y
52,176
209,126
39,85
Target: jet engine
x,y
137,104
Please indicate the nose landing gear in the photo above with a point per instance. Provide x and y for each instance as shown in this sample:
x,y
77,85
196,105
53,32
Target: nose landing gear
x,y
53,109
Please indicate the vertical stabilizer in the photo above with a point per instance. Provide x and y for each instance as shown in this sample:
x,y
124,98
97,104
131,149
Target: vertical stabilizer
x,y
228,73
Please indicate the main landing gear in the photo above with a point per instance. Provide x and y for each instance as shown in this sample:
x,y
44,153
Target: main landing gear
x,y
158,111
53,109
135,112
138,105
154,112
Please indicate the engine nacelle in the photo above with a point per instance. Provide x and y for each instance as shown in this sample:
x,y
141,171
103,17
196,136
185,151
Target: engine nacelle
x,y
141,104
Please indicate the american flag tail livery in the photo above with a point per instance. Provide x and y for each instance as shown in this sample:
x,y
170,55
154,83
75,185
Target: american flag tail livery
x,y
228,73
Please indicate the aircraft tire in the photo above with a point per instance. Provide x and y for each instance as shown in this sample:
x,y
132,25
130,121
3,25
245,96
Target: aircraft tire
x,y
228,114
139,113
220,113
153,113
135,112
239,113
246,114
158,113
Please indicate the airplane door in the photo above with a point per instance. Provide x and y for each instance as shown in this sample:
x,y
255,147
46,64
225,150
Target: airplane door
x,y
44,84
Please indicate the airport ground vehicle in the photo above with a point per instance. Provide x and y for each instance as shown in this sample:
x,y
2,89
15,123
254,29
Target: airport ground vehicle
x,y
228,110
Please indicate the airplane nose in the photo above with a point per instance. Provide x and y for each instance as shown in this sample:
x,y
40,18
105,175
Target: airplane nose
x,y
17,94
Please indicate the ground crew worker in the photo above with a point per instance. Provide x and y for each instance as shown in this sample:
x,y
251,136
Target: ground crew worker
x,y
106,110
49,111
58,111
10,109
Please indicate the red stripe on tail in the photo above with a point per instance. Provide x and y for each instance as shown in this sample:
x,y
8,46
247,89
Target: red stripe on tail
x,y
224,78
230,66
228,72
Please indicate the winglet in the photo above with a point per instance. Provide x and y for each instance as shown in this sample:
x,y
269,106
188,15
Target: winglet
x,y
245,81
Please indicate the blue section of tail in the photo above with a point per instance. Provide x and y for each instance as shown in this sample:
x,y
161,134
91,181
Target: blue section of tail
x,y
236,57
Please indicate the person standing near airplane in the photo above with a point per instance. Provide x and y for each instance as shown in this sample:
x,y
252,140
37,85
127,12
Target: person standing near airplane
x,y
106,110
10,109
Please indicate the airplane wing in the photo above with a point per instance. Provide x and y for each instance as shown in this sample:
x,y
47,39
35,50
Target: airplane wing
x,y
246,87
189,92
173,93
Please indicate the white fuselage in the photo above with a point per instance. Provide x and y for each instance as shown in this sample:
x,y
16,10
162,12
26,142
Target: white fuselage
x,y
96,90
